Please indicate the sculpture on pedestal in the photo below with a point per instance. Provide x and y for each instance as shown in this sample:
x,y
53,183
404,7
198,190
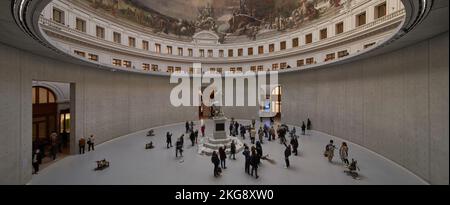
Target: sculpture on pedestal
x,y
217,110
219,138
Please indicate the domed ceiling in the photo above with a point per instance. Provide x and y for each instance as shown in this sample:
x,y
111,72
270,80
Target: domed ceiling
x,y
227,18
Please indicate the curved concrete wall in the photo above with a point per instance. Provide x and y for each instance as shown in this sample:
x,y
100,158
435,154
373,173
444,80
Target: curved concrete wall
x,y
107,104
395,104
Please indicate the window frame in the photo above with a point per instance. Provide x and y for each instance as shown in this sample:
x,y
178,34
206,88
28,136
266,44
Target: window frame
x,y
83,24
62,15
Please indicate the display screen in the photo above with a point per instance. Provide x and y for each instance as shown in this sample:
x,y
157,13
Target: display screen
x,y
220,127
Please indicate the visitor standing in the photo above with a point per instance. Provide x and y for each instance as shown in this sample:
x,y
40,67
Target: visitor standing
x,y
260,135
82,145
252,135
272,133
54,144
169,139
192,138
233,150
308,126
287,154
266,131
294,143
187,127
236,128
303,128
203,130
329,151
259,151
343,153
91,142
182,140
223,157
196,136
179,147
246,153
231,128
282,134
254,162
215,160
242,131
35,161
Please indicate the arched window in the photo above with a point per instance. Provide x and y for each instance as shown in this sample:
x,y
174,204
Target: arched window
x,y
43,95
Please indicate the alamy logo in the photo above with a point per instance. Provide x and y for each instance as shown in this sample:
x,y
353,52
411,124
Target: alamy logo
x,y
230,89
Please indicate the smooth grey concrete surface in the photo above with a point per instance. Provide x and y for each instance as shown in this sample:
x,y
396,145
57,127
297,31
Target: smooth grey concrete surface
x,y
131,163
395,104
107,104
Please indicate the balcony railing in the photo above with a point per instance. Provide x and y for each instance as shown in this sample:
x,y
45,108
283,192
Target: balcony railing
x,y
53,26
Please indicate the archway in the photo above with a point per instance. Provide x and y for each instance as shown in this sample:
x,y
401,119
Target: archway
x,y
270,107
51,121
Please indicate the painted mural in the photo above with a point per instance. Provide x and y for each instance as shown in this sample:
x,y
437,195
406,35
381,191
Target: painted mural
x,y
227,18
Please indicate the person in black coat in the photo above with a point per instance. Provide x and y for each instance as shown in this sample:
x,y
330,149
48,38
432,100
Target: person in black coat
x,y
182,140
35,161
196,136
242,129
236,128
246,153
179,147
294,143
192,138
282,134
259,151
233,150
231,128
287,153
254,162
169,139
223,157
187,126
215,160
303,128
308,126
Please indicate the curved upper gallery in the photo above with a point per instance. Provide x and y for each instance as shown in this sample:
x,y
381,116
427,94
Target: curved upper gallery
x,y
123,35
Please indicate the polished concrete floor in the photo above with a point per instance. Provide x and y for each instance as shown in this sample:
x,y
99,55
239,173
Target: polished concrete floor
x,y
131,163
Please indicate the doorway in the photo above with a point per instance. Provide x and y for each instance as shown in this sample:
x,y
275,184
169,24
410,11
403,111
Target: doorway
x,y
51,124
270,109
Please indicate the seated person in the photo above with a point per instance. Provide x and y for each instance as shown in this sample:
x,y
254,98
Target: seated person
x,y
353,166
149,145
151,133
352,169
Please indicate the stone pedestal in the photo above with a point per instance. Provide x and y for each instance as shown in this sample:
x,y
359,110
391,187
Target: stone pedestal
x,y
219,128
219,139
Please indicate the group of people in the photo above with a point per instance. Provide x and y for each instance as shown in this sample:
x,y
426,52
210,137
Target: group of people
x,y
254,154
252,158
343,154
179,144
82,144
193,136
219,158
56,142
